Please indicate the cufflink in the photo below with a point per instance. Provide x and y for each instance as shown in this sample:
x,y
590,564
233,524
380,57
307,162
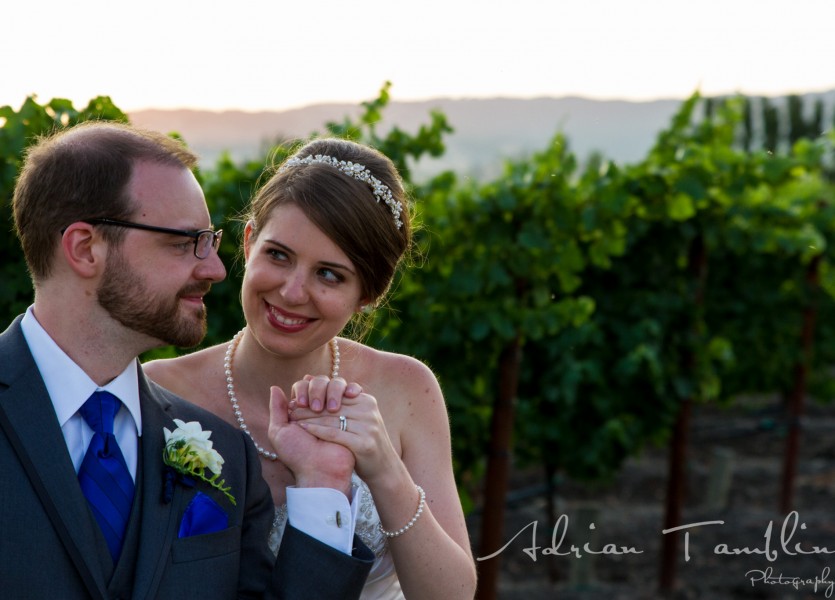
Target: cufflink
x,y
335,519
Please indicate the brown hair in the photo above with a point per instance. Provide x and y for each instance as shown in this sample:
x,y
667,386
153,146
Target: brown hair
x,y
81,173
344,208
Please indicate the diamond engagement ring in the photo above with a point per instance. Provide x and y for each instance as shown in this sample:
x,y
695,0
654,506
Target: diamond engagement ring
x,y
343,423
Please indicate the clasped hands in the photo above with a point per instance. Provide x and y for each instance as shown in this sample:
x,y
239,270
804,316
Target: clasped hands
x,y
309,438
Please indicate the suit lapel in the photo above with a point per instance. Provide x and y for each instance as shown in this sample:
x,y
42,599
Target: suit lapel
x,y
159,519
30,412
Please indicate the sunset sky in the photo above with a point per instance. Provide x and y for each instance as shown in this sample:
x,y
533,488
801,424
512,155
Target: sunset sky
x,y
259,54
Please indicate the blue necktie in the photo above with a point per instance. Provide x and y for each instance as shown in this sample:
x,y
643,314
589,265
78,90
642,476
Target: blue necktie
x,y
104,475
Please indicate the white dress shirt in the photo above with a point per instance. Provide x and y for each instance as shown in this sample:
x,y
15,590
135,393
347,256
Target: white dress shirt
x,y
322,513
69,387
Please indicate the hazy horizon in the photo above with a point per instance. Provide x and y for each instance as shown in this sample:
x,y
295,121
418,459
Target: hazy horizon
x,y
259,55
777,95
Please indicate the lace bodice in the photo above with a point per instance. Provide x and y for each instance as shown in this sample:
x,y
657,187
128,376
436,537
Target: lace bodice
x,y
382,583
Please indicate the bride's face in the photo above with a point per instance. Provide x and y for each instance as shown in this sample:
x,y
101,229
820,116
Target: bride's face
x,y
300,289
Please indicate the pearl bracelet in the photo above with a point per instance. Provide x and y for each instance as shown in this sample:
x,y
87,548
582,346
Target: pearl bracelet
x,y
407,526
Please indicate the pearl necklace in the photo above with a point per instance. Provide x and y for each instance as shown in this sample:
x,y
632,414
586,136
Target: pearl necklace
x,y
230,386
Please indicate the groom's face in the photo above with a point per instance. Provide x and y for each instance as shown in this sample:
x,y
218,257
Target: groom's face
x,y
153,283
129,299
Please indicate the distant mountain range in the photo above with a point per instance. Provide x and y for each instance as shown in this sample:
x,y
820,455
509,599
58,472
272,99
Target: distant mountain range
x,y
487,131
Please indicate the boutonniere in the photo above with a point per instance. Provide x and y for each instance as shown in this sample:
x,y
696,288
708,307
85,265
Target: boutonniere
x,y
188,451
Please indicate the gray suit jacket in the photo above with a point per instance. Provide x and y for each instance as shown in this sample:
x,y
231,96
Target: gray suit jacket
x,y
50,546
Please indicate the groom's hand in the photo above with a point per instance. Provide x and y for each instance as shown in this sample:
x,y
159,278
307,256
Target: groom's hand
x,y
313,462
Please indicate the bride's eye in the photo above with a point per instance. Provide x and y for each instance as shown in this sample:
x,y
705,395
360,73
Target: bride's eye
x,y
331,276
276,254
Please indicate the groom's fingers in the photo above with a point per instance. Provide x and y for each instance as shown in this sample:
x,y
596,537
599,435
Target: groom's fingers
x,y
278,408
320,392
317,390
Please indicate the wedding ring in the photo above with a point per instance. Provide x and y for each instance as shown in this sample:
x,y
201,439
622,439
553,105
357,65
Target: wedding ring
x,y
343,423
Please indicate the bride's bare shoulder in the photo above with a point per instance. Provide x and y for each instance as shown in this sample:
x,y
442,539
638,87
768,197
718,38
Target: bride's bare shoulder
x,y
396,372
184,373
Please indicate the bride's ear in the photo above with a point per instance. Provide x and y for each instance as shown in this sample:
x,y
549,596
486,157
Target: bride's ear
x,y
248,231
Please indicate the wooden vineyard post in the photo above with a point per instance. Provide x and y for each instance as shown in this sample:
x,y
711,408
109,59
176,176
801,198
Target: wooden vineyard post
x,y
677,477
498,468
798,392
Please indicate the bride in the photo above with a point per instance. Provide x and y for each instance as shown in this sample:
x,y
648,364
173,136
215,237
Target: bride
x,y
322,241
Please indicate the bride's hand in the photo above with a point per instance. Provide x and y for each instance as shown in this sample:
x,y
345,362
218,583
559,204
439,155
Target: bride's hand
x,y
358,426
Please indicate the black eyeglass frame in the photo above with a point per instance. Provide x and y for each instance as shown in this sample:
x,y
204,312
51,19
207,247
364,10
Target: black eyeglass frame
x,y
195,235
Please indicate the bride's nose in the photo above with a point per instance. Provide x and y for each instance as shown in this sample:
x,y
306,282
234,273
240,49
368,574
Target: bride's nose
x,y
294,288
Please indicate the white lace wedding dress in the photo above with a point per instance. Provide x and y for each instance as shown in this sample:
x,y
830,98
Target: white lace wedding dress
x,y
382,582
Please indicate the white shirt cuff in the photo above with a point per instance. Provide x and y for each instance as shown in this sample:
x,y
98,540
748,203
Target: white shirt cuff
x,y
324,514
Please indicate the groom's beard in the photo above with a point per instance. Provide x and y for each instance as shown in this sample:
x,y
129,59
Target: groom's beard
x,y
125,296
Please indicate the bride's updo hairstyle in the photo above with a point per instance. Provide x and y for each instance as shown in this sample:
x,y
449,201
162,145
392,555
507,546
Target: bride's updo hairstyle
x,y
354,194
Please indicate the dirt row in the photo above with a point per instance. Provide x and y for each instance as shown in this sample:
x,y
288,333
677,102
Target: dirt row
x,y
739,544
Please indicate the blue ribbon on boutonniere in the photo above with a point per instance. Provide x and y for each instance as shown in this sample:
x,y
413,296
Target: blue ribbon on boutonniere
x,y
169,477
203,515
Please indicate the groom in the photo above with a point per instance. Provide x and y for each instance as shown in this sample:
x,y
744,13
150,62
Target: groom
x,y
117,238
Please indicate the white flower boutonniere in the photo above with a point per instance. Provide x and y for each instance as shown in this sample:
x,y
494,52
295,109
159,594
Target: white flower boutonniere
x,y
188,451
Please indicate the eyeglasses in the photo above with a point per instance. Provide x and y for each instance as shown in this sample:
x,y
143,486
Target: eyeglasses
x,y
204,239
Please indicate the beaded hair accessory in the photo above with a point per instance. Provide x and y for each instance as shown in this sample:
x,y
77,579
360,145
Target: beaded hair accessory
x,y
357,171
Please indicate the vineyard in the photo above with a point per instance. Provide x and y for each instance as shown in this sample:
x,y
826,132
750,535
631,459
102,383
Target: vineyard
x,y
579,312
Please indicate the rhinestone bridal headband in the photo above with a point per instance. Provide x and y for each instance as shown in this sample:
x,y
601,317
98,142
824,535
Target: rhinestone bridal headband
x,y
357,171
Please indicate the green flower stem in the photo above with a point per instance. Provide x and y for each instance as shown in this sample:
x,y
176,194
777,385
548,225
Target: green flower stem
x,y
180,457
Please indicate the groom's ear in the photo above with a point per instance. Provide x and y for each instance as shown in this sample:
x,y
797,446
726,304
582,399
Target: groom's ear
x,y
83,249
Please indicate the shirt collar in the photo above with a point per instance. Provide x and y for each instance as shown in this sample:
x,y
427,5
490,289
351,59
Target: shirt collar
x,y
67,383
